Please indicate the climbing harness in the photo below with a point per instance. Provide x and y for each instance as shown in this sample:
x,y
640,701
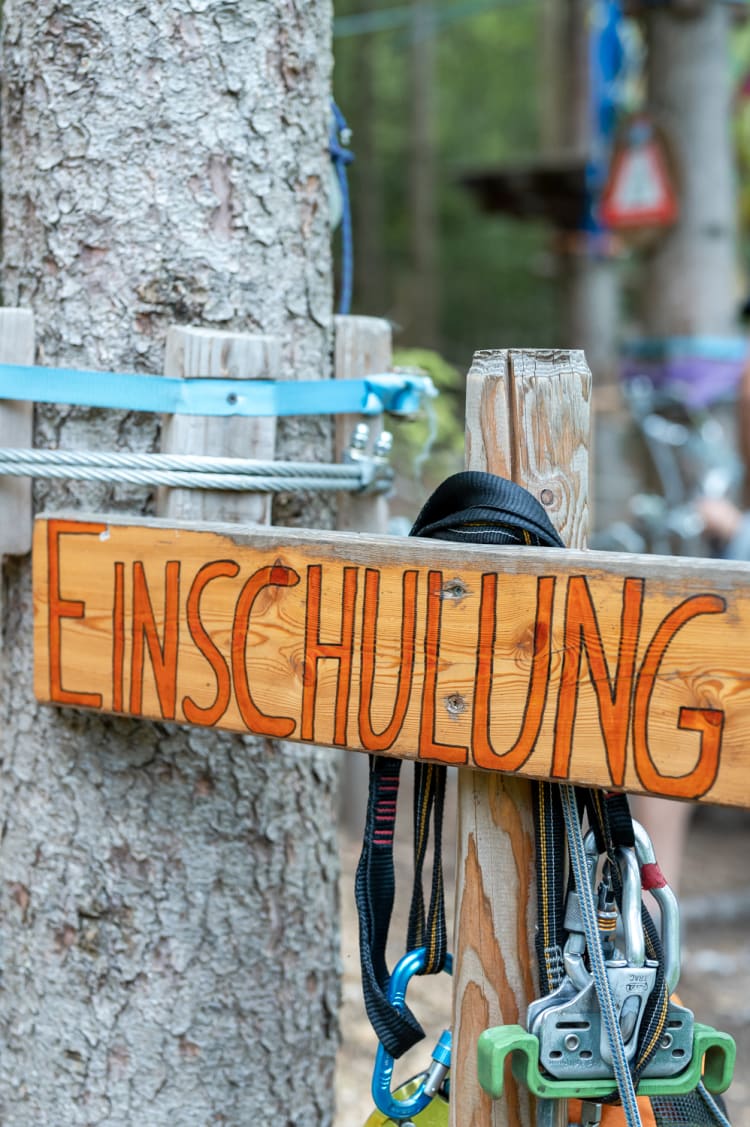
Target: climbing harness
x,y
605,1029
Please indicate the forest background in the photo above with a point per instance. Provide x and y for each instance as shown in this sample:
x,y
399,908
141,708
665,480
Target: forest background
x,y
435,91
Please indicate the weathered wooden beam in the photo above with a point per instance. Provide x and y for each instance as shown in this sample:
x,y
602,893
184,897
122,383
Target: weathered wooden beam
x,y
362,348
526,419
16,430
606,670
211,353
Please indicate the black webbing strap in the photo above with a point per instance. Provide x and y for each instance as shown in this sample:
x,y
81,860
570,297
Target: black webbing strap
x,y
374,888
397,1028
428,931
470,507
549,834
481,508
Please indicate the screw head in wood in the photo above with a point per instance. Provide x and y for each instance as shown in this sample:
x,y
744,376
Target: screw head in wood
x,y
455,704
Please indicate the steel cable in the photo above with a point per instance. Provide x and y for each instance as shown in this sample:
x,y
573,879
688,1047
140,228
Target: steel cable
x,y
195,471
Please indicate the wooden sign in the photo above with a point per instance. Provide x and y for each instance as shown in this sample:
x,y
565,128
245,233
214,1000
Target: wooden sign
x,y
624,671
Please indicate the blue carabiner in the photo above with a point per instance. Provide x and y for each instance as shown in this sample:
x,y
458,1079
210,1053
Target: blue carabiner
x,y
412,963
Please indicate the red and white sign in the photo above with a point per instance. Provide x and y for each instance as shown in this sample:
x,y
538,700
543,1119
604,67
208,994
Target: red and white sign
x,y
639,192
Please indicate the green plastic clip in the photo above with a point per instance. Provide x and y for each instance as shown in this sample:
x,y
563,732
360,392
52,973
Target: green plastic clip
x,y
713,1062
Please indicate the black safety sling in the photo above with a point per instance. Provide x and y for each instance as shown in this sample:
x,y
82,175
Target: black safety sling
x,y
474,508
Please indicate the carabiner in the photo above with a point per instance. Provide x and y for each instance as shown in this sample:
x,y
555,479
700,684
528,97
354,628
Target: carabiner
x,y
399,1109
669,906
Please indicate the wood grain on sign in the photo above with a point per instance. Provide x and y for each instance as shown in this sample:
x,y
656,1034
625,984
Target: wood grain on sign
x,y
624,671
526,419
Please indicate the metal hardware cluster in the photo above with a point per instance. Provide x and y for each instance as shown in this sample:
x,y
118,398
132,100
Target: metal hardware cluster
x,y
568,1049
362,471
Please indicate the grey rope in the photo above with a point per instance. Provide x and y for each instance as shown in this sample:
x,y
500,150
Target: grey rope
x,y
195,471
579,866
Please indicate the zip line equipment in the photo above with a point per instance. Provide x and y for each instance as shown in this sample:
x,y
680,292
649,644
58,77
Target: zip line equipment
x,y
605,1028
395,393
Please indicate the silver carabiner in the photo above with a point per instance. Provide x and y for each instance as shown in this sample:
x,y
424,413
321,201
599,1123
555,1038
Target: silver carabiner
x,y
635,946
632,924
670,910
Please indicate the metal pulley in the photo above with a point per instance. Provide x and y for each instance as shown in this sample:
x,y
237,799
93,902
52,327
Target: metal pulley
x,y
568,1023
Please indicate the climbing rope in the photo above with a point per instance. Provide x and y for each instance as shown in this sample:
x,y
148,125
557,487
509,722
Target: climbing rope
x,y
578,864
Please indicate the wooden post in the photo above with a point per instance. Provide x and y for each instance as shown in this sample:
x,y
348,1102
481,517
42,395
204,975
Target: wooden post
x,y
527,418
191,353
363,347
16,430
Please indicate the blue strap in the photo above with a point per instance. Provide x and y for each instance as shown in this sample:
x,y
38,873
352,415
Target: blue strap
x,y
722,349
396,393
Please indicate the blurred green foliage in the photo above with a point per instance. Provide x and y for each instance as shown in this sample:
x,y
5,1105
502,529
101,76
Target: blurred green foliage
x,y
430,447
493,282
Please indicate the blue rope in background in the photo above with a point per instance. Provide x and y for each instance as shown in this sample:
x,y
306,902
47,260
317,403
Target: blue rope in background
x,y
341,155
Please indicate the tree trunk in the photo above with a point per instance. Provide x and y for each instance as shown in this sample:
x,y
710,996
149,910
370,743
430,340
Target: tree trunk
x,y
168,895
690,279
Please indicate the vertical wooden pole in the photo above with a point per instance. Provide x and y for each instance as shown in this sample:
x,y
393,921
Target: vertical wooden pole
x,y
363,347
527,418
191,353
16,430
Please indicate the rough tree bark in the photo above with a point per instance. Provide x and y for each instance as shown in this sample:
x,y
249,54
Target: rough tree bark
x,y
167,906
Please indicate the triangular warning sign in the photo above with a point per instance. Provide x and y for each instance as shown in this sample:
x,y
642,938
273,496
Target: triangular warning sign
x,y
639,191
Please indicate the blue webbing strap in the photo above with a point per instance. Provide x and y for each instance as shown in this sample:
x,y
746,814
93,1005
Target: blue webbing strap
x,y
394,392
